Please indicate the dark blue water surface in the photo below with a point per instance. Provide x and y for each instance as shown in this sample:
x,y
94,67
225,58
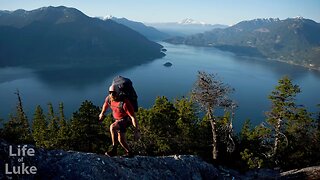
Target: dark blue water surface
x,y
253,80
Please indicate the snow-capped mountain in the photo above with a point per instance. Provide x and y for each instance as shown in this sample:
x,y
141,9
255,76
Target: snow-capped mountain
x,y
185,27
106,17
189,21
182,28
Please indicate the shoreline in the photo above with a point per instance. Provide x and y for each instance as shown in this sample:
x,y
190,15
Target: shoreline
x,y
315,68
296,64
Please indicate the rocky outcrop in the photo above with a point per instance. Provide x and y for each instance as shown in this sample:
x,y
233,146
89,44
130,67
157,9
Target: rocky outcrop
x,y
58,164
305,173
28,162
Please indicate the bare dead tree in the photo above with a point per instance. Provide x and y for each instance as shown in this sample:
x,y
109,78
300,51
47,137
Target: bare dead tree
x,y
211,93
229,128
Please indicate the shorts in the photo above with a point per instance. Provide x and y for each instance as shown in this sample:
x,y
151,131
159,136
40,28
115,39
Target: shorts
x,y
123,123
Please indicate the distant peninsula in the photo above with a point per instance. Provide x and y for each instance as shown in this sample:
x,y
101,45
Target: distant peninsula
x,y
62,36
293,40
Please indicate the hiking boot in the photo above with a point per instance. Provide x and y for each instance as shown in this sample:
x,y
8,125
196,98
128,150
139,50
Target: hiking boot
x,y
112,152
128,154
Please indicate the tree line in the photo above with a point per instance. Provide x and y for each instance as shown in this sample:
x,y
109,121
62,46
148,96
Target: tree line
x,y
288,138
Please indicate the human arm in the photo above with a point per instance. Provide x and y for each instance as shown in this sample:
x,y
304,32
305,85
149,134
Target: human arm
x,y
130,112
137,134
134,122
104,108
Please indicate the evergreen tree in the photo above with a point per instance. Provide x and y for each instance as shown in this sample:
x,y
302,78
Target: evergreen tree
x,y
53,128
17,129
283,105
63,135
251,146
145,146
299,132
187,124
159,129
39,128
61,113
163,122
86,132
204,142
292,127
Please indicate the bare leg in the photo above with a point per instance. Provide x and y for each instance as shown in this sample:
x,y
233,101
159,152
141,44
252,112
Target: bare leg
x,y
114,134
123,141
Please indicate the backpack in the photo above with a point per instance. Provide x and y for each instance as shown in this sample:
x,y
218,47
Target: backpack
x,y
126,91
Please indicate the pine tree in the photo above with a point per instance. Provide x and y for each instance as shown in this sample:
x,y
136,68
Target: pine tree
x,y
299,132
53,128
187,124
250,146
17,129
159,130
143,145
292,127
62,117
39,128
162,128
204,142
86,132
63,135
283,105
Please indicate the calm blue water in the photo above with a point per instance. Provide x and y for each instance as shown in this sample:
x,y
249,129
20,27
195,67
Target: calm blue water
x,y
252,79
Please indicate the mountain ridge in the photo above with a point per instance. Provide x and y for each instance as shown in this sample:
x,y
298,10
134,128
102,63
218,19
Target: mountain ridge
x,y
293,40
188,21
185,27
49,13
148,31
55,35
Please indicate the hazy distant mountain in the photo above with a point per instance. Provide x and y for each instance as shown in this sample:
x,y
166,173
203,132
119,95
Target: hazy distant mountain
x,y
61,35
189,21
185,27
293,40
148,31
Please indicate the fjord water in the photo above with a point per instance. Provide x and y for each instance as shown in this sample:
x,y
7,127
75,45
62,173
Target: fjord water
x,y
253,80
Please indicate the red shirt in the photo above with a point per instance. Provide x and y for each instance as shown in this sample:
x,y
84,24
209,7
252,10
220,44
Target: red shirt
x,y
118,112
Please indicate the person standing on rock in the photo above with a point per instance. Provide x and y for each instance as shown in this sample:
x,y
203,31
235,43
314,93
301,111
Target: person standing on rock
x,y
124,115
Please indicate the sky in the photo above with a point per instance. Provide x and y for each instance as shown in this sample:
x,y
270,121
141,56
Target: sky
x,y
226,12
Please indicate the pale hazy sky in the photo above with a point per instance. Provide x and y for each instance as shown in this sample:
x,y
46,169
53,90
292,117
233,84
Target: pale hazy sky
x,y
210,11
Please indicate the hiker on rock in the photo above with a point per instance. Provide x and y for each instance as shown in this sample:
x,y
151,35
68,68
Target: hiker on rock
x,y
124,115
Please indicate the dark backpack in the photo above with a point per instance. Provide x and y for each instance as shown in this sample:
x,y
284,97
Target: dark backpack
x,y
126,90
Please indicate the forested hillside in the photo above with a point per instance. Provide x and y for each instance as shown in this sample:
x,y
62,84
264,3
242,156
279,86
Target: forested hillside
x,y
63,36
293,40
288,138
